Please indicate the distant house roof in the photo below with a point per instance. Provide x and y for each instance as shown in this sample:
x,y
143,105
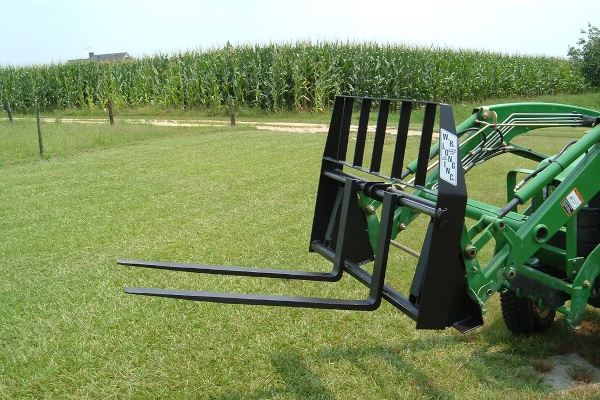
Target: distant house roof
x,y
109,57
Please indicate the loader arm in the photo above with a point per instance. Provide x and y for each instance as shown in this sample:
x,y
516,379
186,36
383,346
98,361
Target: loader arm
x,y
523,240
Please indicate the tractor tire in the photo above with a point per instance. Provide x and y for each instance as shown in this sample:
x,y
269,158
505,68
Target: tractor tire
x,y
524,315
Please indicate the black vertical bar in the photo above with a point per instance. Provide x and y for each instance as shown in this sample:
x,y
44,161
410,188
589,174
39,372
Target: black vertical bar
x,y
401,139
326,192
384,109
383,247
426,135
361,135
444,295
335,126
340,246
329,234
345,129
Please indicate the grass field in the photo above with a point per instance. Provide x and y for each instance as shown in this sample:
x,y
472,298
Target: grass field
x,y
232,196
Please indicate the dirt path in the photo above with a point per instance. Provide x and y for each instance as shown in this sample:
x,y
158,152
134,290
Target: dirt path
x,y
298,127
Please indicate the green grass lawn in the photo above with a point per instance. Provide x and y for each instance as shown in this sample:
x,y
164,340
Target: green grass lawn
x,y
232,196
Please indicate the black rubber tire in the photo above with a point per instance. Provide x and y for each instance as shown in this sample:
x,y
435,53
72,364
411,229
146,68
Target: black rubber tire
x,y
588,230
523,315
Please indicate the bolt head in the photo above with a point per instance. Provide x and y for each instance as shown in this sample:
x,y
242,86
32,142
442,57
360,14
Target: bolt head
x,y
470,251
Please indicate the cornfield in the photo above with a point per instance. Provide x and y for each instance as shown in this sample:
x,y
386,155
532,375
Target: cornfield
x,y
300,76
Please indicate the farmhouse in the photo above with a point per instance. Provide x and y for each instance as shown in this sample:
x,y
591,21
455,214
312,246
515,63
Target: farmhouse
x,y
109,57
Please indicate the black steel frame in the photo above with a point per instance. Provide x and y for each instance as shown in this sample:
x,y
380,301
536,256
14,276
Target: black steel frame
x,y
438,296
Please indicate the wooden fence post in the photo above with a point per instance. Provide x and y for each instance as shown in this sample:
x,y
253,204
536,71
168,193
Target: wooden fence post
x,y
39,126
9,111
110,112
231,111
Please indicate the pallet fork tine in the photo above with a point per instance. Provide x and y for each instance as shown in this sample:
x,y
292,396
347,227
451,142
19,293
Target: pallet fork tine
x,y
375,283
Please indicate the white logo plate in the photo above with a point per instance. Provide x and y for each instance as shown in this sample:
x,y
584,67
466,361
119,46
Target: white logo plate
x,y
448,157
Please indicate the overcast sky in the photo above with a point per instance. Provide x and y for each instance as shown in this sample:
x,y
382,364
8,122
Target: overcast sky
x,y
46,31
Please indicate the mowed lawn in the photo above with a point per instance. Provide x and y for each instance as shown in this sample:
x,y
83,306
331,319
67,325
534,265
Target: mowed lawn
x,y
221,196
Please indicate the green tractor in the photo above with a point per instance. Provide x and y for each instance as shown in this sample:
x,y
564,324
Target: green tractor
x,y
542,245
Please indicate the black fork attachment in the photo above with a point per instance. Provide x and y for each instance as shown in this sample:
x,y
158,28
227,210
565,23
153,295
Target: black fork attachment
x,y
438,295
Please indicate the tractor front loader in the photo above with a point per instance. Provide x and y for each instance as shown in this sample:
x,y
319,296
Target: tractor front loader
x,y
542,245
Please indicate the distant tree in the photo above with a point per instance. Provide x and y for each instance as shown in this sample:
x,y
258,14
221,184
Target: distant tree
x,y
587,55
